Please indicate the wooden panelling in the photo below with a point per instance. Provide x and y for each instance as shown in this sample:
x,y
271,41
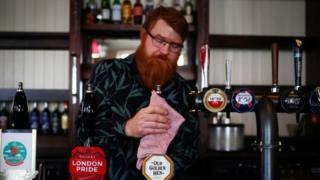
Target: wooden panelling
x,y
34,15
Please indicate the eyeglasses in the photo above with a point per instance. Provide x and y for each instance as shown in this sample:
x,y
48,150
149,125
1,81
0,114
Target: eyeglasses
x,y
160,42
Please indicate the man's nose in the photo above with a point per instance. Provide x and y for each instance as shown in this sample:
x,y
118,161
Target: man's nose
x,y
165,49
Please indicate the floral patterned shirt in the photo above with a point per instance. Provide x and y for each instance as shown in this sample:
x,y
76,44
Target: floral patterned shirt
x,y
119,95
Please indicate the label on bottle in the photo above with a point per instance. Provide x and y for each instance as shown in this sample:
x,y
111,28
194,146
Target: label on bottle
x,y
3,122
138,11
189,19
126,12
188,10
116,12
105,14
45,123
64,122
55,124
34,120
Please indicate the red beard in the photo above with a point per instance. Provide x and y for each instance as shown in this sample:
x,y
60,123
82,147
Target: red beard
x,y
154,70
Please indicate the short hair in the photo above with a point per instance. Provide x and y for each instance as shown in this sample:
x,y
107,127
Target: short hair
x,y
171,16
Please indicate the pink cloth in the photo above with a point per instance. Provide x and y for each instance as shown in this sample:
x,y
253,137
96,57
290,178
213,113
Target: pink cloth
x,y
159,143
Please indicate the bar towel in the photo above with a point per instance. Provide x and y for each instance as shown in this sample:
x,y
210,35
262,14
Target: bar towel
x,y
159,143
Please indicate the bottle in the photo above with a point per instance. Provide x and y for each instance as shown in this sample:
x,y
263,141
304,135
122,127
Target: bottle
x,y
45,119
176,4
55,120
35,117
137,12
188,12
149,7
161,3
91,12
4,117
116,12
88,118
20,114
65,119
126,12
105,11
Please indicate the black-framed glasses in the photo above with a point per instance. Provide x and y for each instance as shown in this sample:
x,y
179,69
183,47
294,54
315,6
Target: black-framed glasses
x,y
160,42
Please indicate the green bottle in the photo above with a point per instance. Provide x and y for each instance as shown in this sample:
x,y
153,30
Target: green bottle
x,y
105,11
116,12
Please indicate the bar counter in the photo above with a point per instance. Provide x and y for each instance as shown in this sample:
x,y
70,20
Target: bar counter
x,y
298,159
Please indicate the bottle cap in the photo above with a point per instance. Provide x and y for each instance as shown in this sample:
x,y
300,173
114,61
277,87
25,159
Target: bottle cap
x,y
158,89
20,87
89,88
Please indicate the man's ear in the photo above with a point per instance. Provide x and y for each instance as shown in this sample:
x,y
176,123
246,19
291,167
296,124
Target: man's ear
x,y
142,33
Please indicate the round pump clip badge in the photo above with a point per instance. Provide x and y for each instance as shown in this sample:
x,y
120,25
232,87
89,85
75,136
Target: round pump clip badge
x,y
292,101
243,100
215,100
314,100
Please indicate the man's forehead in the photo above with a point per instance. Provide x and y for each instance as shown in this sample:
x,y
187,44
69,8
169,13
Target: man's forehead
x,y
163,29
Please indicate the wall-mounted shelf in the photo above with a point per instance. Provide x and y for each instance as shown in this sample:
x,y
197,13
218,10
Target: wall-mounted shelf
x,y
34,40
119,27
117,30
257,42
37,94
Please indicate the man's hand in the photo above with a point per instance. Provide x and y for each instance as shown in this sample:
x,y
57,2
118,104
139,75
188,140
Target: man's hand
x,y
149,120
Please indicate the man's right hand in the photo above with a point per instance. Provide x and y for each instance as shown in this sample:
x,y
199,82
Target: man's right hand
x,y
149,120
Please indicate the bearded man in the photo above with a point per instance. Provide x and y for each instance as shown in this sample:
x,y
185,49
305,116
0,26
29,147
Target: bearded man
x,y
123,88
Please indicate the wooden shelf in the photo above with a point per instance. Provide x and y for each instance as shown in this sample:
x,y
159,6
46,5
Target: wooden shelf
x,y
86,70
112,27
117,30
257,42
34,40
36,94
119,27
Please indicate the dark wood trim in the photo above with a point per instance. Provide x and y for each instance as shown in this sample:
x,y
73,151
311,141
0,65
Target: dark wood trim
x,y
202,36
313,30
75,48
112,27
53,146
86,70
34,40
202,20
257,42
119,27
128,31
36,94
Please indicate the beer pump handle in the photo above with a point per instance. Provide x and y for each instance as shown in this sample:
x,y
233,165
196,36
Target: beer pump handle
x,y
228,87
318,93
228,74
275,61
204,61
297,53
